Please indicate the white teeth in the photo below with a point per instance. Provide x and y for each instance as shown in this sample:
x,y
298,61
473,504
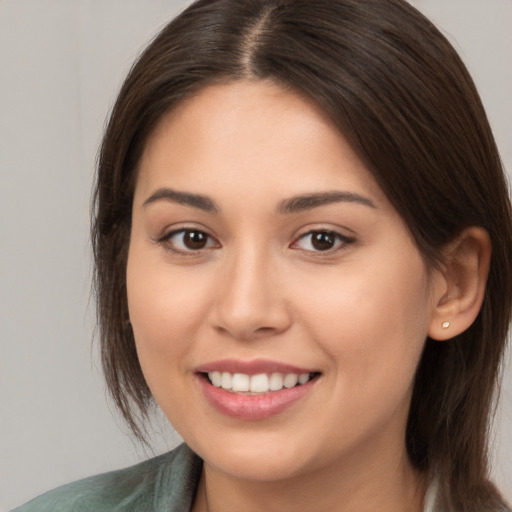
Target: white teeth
x,y
216,378
303,378
276,382
290,380
226,380
260,383
240,382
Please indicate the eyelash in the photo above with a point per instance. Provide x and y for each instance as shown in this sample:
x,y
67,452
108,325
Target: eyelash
x,y
340,241
166,240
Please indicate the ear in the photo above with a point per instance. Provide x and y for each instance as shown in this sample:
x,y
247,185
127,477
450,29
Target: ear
x,y
459,287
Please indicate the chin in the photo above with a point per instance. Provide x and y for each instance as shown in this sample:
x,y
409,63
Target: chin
x,y
263,458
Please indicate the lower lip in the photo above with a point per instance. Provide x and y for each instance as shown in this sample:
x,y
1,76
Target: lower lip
x,y
253,407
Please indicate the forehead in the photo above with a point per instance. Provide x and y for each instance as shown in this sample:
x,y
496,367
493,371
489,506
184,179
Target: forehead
x,y
254,134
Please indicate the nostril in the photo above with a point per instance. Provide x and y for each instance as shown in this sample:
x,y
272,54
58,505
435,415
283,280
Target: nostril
x,y
246,319
265,330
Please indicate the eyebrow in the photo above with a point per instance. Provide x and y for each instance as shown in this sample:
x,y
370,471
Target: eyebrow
x,y
309,201
292,205
195,200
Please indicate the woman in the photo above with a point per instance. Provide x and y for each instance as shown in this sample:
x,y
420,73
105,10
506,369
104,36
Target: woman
x,y
303,242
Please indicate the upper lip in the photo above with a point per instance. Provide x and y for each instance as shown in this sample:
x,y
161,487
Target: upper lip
x,y
253,367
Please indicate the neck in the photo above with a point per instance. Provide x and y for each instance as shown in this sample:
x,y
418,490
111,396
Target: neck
x,y
356,486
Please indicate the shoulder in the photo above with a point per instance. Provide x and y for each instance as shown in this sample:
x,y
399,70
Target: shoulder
x,y
437,498
166,482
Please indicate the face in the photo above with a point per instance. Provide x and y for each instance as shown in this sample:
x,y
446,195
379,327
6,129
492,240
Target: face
x,y
278,302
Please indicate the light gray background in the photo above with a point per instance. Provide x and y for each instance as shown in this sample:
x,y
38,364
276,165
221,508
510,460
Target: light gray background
x,y
61,63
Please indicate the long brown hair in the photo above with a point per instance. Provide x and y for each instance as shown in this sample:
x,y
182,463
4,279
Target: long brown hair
x,y
401,96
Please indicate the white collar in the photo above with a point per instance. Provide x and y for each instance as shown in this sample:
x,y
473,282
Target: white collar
x,y
431,496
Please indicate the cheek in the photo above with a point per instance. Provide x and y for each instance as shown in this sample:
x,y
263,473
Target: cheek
x,y
372,324
165,309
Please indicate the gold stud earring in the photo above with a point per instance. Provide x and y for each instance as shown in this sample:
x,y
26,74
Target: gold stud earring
x,y
446,325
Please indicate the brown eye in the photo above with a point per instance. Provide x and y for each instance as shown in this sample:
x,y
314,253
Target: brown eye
x,y
185,241
323,241
195,240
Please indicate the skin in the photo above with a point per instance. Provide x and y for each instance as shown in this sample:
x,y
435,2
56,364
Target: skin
x,y
358,313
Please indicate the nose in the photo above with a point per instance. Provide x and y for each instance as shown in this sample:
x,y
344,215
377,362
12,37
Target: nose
x,y
250,303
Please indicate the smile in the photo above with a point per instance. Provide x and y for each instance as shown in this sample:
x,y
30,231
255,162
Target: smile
x,y
254,390
257,384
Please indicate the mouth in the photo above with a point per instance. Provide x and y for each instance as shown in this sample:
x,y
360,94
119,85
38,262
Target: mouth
x,y
258,384
255,390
